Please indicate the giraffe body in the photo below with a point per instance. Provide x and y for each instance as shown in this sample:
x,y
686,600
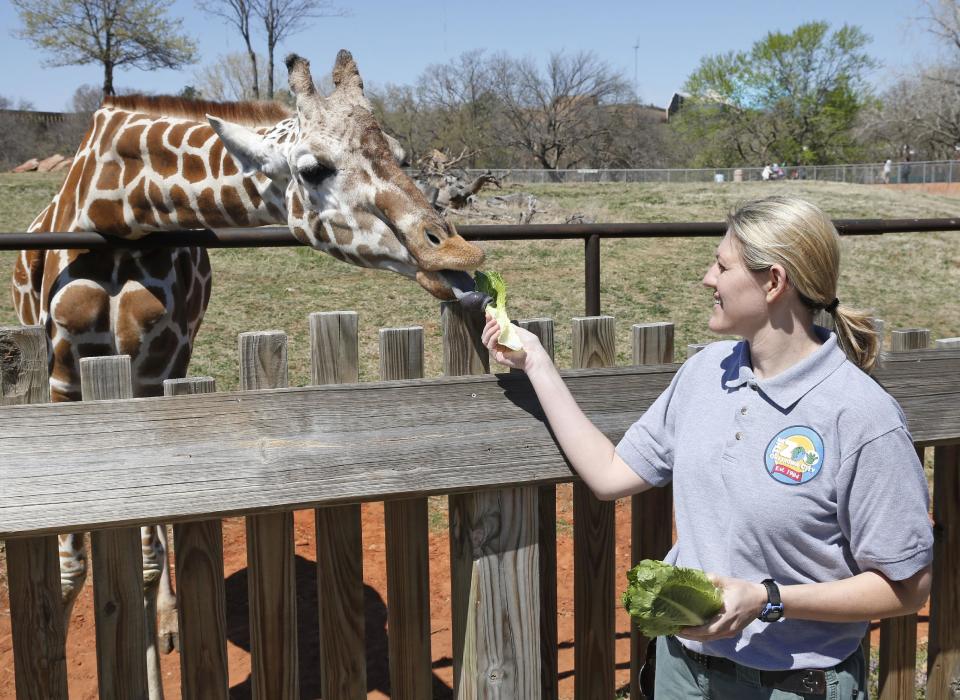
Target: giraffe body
x,y
151,164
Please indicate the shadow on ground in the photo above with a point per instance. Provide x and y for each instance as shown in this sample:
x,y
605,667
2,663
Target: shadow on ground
x,y
308,636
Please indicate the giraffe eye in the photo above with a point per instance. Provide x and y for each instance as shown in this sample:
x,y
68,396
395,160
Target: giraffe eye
x,y
315,174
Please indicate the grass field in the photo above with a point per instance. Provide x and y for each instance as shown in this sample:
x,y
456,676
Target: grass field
x,y
910,280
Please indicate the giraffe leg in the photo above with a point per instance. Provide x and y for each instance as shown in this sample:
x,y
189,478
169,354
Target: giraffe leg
x,y
152,569
73,571
169,633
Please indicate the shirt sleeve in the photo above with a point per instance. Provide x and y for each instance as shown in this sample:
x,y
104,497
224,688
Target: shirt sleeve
x,y
884,505
648,445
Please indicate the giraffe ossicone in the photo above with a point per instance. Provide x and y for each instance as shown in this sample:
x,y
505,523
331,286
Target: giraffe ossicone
x,y
158,163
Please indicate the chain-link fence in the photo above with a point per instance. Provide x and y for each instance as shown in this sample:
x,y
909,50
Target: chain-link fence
x,y
859,173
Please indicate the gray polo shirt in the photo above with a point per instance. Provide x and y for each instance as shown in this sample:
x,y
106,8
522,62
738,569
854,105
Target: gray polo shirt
x,y
806,477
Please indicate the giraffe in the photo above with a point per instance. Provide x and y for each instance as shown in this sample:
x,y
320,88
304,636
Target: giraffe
x,y
327,170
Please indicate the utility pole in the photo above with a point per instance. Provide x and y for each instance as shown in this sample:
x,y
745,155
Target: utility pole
x,y
636,88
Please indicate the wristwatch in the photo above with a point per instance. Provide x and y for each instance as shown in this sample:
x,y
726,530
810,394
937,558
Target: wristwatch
x,y
773,608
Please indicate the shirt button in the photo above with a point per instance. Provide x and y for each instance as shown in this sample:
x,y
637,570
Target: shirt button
x,y
739,436
743,411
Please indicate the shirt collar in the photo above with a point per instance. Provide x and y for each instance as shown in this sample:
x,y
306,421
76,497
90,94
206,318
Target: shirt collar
x,y
788,387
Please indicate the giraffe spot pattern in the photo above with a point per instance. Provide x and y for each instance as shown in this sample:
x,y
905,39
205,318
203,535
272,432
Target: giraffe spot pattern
x,y
233,206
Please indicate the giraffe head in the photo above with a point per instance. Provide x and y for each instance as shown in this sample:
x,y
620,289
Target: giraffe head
x,y
346,193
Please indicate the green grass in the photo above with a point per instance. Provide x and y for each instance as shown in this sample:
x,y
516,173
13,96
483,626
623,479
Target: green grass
x,y
906,279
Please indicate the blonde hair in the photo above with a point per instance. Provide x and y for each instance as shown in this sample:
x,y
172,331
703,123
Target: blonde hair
x,y
797,235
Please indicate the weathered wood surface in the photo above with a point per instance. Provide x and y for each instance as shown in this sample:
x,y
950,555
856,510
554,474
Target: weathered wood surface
x,y
271,567
169,461
593,544
335,359
651,513
407,545
122,627
33,572
943,680
201,593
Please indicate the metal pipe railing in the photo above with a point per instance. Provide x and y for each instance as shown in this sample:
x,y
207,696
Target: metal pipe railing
x,y
591,234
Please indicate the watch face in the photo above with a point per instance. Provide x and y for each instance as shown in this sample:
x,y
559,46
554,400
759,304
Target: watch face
x,y
771,612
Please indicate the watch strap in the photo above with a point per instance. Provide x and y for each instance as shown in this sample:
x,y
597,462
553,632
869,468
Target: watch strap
x,y
773,591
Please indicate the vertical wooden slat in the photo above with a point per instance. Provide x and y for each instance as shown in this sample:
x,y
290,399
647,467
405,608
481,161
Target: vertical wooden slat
x,y
335,359
271,567
593,545
547,539
651,513
494,561
408,556
117,565
943,660
201,594
33,572
898,635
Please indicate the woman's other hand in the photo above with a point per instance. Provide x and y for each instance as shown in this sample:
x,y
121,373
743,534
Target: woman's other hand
x,y
742,601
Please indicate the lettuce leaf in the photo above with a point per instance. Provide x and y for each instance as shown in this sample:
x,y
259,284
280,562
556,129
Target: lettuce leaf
x,y
492,284
662,598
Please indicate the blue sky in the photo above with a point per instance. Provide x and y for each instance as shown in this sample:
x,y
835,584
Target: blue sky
x,y
393,41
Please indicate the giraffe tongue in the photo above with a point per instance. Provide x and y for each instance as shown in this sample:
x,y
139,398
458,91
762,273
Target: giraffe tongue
x,y
464,289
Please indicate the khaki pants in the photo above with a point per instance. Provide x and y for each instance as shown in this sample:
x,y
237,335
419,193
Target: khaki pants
x,y
680,678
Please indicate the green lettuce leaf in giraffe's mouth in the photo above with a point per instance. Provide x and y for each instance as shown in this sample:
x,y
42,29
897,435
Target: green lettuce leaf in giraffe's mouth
x,y
465,289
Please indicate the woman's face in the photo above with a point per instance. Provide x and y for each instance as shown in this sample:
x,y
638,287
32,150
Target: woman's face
x,y
739,295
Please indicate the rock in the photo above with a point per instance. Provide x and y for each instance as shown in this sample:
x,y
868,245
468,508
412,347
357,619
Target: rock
x,y
48,164
62,165
27,167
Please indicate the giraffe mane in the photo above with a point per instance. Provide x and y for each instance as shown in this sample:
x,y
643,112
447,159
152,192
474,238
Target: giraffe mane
x,y
248,113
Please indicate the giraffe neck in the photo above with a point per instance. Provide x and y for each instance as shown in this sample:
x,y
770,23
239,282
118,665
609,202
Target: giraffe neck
x,y
136,173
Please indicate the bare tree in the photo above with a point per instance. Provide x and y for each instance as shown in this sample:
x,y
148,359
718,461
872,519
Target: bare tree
x,y
943,20
229,77
238,13
113,33
557,116
284,18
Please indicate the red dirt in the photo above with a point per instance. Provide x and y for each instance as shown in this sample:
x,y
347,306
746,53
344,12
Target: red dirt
x,y
81,639
951,189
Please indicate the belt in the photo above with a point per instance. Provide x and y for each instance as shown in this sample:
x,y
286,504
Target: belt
x,y
803,681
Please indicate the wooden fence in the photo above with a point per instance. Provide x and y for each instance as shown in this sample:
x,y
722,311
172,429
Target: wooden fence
x,y
266,451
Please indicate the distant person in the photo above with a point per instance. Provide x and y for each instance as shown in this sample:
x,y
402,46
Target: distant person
x,y
765,174
718,177
802,172
905,171
887,166
777,172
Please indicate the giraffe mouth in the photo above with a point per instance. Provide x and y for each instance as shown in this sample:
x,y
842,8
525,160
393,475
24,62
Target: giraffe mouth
x,y
465,289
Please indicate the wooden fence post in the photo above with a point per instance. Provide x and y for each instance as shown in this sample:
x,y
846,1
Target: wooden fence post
x,y
335,359
271,566
651,513
898,635
33,571
547,539
593,545
201,593
943,650
118,599
407,542
494,570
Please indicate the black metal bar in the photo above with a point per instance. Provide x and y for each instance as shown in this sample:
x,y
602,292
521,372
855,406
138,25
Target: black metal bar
x,y
591,274
280,236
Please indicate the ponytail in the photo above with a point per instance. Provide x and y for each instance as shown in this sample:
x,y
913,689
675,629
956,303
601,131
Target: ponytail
x,y
857,337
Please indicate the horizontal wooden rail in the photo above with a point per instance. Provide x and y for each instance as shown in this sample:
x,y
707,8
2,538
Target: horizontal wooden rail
x,y
179,458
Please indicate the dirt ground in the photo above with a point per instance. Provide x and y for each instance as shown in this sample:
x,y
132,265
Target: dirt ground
x,y
950,189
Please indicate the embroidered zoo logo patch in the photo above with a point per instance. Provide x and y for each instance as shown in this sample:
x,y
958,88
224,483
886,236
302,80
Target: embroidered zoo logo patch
x,y
795,455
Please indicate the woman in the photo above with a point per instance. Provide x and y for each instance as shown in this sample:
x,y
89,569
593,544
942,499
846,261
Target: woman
x,y
796,484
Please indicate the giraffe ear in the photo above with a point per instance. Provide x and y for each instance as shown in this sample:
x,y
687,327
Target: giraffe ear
x,y
252,151
395,148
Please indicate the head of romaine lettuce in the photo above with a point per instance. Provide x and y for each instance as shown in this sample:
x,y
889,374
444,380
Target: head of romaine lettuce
x,y
662,598
492,284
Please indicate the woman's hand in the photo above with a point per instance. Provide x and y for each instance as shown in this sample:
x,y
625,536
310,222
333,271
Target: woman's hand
x,y
742,601
514,359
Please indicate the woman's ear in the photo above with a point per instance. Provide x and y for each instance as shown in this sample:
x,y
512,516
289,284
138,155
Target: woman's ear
x,y
777,282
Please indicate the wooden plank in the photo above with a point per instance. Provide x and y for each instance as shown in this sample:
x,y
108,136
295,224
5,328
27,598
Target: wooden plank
x,y
593,545
407,542
271,567
547,539
229,453
943,659
651,513
909,339
493,561
33,572
335,359
118,595
201,593
944,343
